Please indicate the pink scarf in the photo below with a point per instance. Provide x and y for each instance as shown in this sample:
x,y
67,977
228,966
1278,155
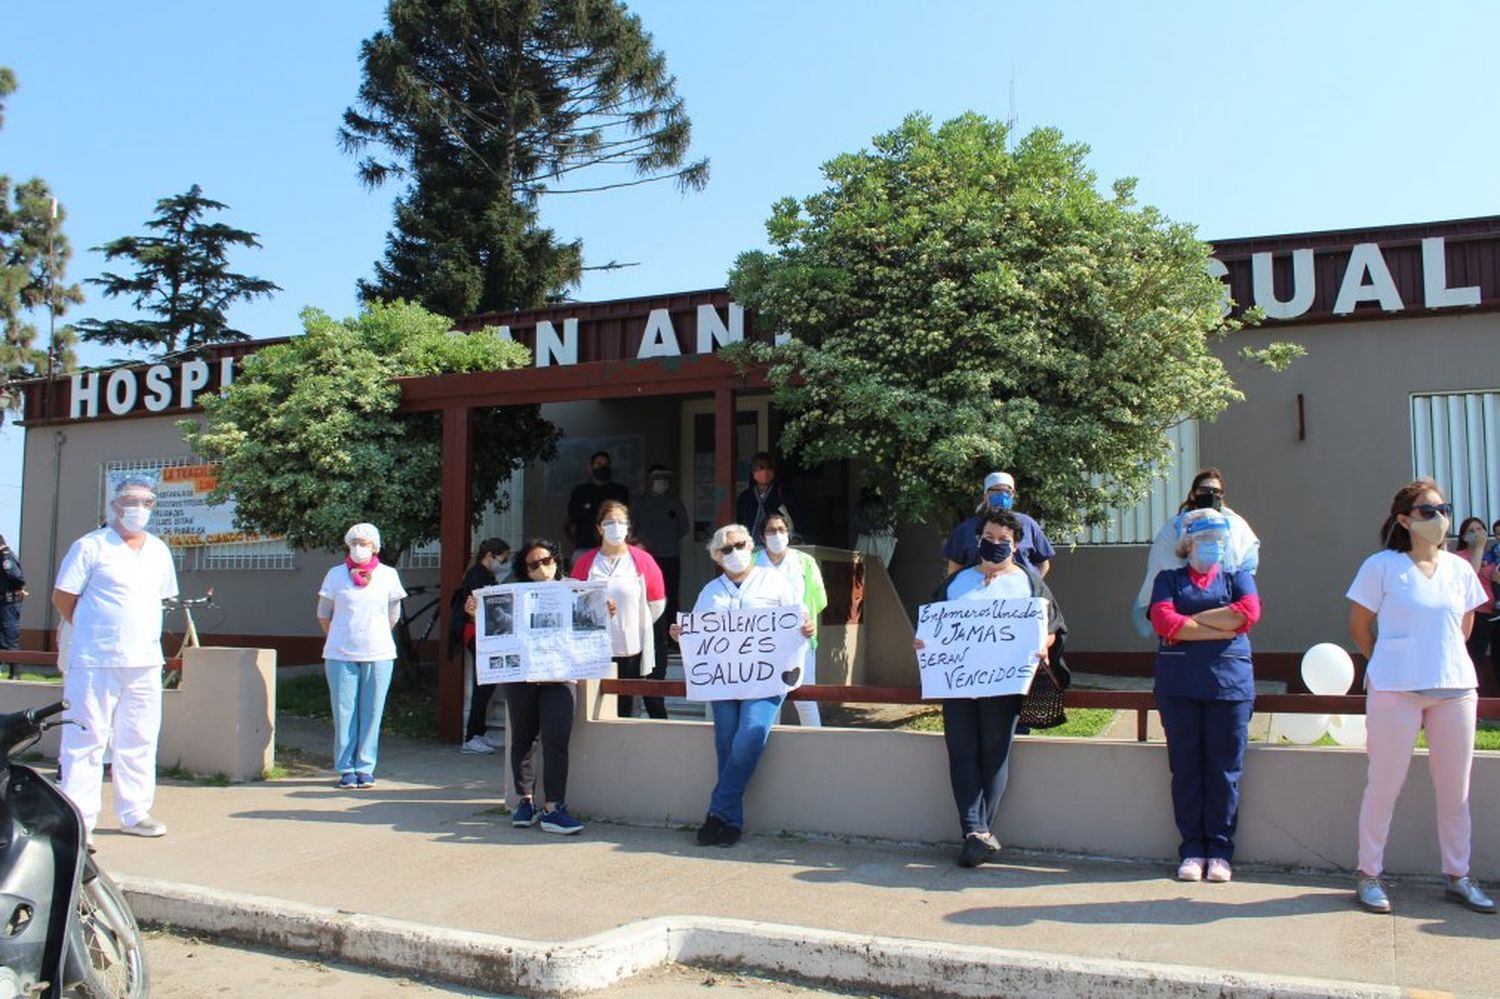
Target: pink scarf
x,y
361,573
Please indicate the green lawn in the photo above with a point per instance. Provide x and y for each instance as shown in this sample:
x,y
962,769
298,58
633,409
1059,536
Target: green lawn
x,y
1082,723
409,711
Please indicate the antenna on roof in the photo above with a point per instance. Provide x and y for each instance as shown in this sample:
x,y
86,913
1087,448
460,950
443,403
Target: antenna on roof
x,y
1010,123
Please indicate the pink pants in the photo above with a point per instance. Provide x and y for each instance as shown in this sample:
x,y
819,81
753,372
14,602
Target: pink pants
x,y
1392,719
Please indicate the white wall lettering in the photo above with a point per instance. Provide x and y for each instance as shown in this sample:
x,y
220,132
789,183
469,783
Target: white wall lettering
x,y
552,349
712,331
660,338
85,396
1366,260
1304,285
226,373
194,377
1218,270
158,387
120,391
1435,291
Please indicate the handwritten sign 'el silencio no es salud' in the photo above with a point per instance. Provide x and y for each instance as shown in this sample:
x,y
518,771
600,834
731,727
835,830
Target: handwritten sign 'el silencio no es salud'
x,y
980,648
736,655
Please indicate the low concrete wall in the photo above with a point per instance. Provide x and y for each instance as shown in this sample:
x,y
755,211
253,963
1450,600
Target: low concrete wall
x,y
221,720
1299,805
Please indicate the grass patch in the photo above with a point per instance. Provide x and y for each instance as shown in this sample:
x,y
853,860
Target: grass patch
x,y
409,710
30,677
1486,736
1082,723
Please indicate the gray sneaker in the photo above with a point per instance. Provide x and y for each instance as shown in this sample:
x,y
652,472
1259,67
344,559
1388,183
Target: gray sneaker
x,y
1370,894
147,827
1467,894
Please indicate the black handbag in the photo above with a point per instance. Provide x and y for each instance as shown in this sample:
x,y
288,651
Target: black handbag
x,y
1043,705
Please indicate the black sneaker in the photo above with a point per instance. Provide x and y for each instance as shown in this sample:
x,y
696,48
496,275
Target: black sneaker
x,y
729,835
978,847
712,828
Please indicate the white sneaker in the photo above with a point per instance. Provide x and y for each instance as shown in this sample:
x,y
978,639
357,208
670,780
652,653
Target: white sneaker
x,y
147,827
494,742
1191,869
476,745
1218,871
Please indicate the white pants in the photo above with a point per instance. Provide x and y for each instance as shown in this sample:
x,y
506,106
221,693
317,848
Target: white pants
x,y
807,711
123,702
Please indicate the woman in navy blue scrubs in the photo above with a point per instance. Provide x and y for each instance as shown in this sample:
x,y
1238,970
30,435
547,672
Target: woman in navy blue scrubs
x,y
1205,689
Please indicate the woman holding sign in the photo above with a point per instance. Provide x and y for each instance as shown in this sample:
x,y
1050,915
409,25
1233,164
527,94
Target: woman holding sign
x,y
741,727
800,570
637,597
978,730
1205,689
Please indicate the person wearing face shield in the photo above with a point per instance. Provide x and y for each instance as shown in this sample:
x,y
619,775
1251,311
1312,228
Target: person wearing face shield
x,y
491,566
1205,689
1241,551
661,522
742,727
588,497
359,602
801,572
1475,548
1411,608
109,589
637,597
1032,547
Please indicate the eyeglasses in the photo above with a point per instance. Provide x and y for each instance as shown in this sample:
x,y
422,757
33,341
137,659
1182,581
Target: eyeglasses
x,y
1209,490
126,504
1426,511
733,546
534,564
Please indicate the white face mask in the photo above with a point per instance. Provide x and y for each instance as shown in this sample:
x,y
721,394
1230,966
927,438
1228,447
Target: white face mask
x,y
659,487
776,542
615,531
737,561
135,518
361,553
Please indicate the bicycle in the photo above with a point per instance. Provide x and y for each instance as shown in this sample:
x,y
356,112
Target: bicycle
x,y
410,646
171,675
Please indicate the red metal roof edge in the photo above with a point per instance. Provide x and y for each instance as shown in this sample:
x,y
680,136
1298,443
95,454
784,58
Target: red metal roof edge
x,y
1477,225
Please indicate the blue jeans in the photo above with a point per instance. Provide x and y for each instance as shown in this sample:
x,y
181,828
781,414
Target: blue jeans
x,y
357,692
1206,751
741,729
978,732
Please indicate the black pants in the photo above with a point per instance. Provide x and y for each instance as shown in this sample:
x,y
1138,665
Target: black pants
x,y
10,631
671,572
1485,636
545,710
629,668
978,732
479,701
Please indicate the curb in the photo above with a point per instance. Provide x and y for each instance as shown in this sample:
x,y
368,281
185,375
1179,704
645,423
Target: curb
x,y
539,968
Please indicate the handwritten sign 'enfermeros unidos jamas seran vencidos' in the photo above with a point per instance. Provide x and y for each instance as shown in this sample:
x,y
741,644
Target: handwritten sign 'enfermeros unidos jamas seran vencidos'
x,y
980,648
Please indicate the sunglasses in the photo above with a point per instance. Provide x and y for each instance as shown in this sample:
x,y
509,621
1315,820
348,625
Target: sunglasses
x,y
1426,511
1209,490
734,546
540,563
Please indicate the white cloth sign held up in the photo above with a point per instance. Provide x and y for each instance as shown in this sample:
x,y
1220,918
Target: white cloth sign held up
x,y
734,655
541,632
980,648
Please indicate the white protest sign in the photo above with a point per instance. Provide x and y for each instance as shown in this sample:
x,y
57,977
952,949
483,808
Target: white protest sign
x,y
541,632
735,655
980,648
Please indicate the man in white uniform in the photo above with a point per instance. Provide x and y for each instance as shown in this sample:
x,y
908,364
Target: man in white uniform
x,y
110,588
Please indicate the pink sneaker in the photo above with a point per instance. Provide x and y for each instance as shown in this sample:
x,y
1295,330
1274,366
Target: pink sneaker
x,y
1219,871
1190,869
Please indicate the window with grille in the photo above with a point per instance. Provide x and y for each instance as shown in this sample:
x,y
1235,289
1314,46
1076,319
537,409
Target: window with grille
x,y
1455,437
1138,524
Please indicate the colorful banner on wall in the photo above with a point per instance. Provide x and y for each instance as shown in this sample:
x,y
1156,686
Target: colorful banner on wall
x,y
183,517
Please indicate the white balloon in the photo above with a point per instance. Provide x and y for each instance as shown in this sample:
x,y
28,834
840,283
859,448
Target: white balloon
x,y
1327,669
1348,730
1301,729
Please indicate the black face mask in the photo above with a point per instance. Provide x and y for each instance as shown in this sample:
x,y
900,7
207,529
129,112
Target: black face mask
x,y
603,473
994,552
1204,500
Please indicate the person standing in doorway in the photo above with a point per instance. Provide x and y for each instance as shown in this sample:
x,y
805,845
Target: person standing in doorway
x,y
764,496
12,593
1032,549
109,589
661,522
588,497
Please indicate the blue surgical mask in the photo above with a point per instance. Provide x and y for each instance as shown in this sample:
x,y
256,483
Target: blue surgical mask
x,y
1001,501
1206,553
994,552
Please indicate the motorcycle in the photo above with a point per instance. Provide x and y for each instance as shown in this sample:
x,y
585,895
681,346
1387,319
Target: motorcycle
x,y
65,927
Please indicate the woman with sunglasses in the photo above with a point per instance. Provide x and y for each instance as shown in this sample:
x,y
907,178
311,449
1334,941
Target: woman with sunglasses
x,y
1241,552
741,728
1412,607
540,710
637,596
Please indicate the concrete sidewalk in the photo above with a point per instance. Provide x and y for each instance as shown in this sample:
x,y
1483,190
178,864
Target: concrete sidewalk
x,y
430,846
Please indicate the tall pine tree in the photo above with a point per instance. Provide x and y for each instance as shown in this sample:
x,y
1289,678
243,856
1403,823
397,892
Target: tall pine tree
x,y
34,256
182,278
484,106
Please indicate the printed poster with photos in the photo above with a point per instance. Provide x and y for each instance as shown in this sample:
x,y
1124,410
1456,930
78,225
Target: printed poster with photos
x,y
539,632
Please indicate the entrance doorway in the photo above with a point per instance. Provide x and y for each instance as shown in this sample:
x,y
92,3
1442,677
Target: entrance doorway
x,y
752,433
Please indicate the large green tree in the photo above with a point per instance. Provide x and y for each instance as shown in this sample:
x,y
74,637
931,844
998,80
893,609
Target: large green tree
x,y
34,257
956,305
310,442
482,107
181,279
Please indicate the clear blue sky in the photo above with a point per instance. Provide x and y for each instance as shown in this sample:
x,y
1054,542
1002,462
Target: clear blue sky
x,y
1260,118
